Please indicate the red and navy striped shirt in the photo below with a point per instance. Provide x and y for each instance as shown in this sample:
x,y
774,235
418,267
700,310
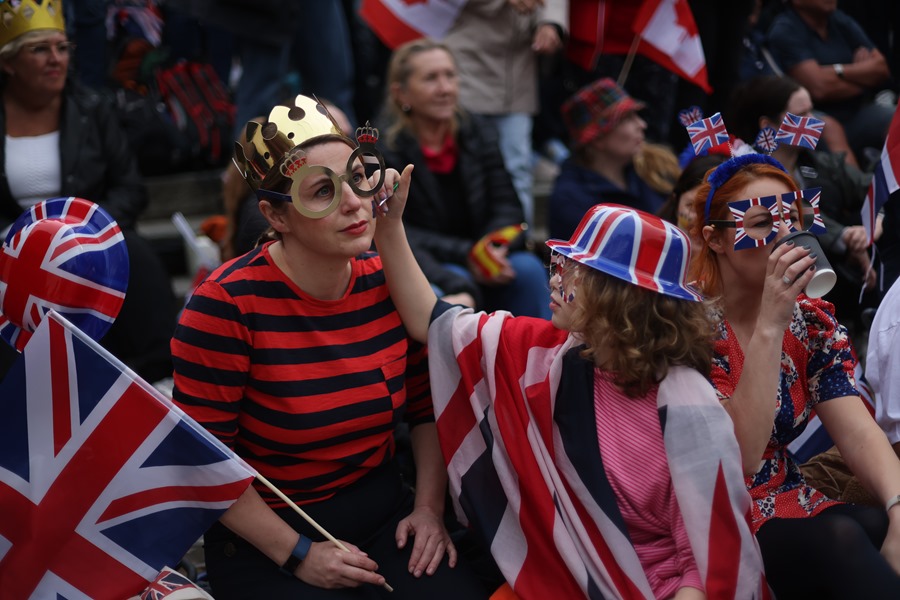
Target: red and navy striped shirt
x,y
308,391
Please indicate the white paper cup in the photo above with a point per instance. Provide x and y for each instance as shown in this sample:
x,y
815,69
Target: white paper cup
x,y
825,277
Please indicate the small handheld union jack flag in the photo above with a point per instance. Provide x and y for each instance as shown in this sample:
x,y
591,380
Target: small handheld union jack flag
x,y
765,140
707,133
800,131
690,115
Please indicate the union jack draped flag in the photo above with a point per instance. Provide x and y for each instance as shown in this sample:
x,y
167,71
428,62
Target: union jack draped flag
x,y
62,250
103,481
765,140
707,133
885,179
800,131
526,470
739,208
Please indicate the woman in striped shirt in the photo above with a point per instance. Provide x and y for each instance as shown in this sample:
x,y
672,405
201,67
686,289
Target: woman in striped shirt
x,y
294,356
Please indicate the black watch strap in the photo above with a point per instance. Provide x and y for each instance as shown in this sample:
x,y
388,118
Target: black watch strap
x,y
298,554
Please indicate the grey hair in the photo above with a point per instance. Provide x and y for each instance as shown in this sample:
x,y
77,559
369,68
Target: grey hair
x,y
12,48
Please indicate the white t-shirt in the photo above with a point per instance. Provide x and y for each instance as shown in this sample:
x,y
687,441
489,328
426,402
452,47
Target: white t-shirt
x,y
33,168
883,363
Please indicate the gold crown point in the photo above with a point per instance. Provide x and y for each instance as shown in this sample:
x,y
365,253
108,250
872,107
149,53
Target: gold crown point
x,y
27,16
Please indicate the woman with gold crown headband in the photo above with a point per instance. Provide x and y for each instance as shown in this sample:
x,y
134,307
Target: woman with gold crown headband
x,y
61,139
294,356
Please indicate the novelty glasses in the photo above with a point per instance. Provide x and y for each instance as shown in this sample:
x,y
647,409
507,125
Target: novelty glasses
x,y
756,220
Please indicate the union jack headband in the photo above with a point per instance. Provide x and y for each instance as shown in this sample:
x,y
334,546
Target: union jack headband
x,y
727,169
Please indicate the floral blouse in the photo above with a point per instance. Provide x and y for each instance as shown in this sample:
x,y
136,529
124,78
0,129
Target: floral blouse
x,y
816,365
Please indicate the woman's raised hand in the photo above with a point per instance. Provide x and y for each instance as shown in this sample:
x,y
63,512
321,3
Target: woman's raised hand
x,y
391,198
789,269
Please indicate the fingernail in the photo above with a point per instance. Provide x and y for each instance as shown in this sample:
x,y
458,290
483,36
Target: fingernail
x,y
812,268
418,573
813,254
805,247
789,243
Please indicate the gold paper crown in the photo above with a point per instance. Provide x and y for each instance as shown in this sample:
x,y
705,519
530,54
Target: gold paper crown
x,y
266,144
29,15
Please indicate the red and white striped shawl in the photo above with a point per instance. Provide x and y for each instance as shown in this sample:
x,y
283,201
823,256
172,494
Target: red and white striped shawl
x,y
515,416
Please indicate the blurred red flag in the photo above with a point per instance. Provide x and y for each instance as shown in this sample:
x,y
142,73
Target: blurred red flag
x,y
669,37
667,31
396,22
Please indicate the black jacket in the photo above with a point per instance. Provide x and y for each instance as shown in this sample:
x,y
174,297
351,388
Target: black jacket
x,y
489,201
96,162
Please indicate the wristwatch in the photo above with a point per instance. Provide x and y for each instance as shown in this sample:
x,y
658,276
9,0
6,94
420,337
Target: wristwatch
x,y
838,69
298,554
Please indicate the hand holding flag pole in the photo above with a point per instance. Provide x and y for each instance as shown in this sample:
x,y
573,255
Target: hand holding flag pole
x,y
309,519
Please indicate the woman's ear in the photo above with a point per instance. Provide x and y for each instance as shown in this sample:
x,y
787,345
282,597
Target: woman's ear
x,y
277,218
713,238
766,122
397,93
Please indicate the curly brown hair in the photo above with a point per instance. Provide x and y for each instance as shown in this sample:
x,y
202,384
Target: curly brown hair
x,y
643,332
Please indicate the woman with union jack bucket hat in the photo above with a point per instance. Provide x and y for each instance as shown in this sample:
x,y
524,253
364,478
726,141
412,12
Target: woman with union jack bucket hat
x,y
542,424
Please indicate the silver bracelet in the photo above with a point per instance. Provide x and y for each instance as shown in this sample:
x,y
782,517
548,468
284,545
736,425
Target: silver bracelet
x,y
892,502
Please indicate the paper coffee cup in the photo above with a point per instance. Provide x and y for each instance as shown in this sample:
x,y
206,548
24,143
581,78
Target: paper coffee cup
x,y
825,277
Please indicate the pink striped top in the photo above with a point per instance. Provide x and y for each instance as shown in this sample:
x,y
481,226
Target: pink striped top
x,y
634,458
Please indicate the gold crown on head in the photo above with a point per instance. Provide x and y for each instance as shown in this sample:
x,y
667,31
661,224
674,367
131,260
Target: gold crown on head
x,y
18,18
265,145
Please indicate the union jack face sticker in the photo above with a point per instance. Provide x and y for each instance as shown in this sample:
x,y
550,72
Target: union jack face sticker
x,y
800,131
743,210
65,254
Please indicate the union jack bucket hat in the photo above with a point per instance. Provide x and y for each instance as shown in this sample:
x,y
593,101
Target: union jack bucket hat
x,y
64,254
633,246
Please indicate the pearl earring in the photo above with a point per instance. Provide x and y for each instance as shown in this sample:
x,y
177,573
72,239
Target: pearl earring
x,y
405,108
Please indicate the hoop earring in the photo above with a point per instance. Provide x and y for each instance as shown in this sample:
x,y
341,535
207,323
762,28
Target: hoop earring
x,y
405,108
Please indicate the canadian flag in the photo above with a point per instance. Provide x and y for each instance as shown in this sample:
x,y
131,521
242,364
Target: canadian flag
x,y
669,37
396,22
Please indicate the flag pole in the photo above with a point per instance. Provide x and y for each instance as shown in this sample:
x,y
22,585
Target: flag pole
x,y
309,519
629,58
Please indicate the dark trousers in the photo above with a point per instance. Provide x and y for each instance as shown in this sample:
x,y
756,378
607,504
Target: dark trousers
x,y
366,515
834,554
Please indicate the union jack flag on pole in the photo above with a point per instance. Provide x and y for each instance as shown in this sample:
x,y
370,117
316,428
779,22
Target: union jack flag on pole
x,y
800,131
103,482
707,133
885,178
